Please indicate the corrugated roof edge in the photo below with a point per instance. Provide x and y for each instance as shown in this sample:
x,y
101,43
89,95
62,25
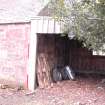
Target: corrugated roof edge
x,y
14,22
24,21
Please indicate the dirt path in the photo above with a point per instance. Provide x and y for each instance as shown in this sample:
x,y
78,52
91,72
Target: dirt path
x,y
83,91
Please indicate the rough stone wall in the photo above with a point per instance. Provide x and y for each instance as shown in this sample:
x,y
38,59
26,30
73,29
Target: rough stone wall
x,y
14,40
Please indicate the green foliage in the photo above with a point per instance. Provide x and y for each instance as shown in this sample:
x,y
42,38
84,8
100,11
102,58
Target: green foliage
x,y
85,19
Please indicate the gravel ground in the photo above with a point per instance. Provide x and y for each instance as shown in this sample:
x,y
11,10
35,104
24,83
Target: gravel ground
x,y
85,90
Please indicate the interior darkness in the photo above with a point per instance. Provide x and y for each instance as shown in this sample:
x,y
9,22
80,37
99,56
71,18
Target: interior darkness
x,y
72,53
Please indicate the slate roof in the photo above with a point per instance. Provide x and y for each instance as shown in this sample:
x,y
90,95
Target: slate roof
x,y
20,10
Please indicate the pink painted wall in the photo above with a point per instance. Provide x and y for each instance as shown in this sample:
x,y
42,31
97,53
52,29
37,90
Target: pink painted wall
x,y
14,39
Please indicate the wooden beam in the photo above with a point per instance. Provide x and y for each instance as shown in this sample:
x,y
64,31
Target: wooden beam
x,y
47,25
32,57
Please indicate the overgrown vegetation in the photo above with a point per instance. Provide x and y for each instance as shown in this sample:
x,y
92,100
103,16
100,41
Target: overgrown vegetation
x,y
83,20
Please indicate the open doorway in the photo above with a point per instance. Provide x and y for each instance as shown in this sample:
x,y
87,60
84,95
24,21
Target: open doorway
x,y
53,50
